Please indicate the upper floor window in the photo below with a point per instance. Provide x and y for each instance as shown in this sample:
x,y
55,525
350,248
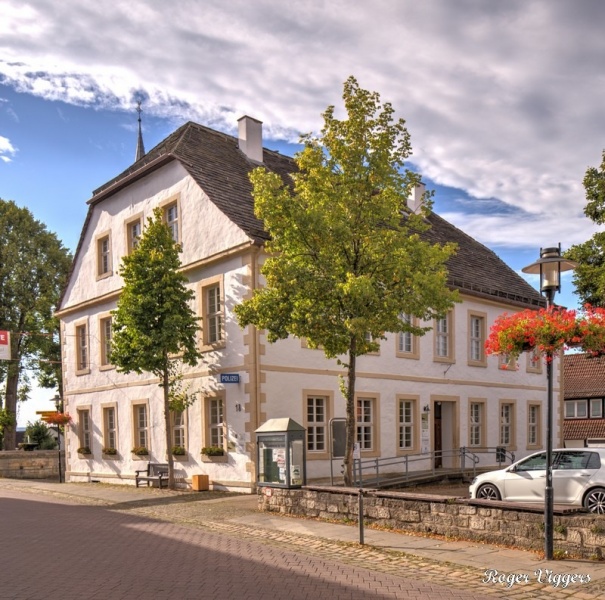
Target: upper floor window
x,y
576,409
105,337
134,230
476,341
596,408
82,348
104,256
212,312
444,342
407,343
171,218
534,360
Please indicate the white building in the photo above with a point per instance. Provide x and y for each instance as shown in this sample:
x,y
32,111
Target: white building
x,y
438,392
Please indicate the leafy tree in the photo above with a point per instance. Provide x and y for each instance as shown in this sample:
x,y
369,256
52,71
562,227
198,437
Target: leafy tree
x,y
39,433
33,269
346,258
589,275
154,329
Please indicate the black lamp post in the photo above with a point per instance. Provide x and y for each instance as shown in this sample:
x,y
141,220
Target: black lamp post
x,y
550,266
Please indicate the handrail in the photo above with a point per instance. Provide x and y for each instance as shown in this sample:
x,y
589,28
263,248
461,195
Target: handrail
x,y
395,469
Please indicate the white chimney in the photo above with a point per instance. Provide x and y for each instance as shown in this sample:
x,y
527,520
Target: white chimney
x,y
415,199
250,135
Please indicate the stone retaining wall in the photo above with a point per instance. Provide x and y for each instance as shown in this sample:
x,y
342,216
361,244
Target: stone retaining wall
x,y
38,464
578,533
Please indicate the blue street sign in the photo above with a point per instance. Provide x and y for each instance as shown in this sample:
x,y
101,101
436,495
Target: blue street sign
x,y
229,378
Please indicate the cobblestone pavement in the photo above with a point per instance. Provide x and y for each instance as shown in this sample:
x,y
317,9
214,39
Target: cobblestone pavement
x,y
173,545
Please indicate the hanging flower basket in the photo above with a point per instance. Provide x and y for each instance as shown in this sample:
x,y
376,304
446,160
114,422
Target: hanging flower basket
x,y
550,330
58,418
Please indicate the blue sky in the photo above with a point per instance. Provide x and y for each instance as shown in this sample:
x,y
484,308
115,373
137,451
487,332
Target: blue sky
x,y
503,99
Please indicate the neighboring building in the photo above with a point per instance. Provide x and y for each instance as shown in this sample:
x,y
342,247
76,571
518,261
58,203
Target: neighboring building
x,y
584,395
434,393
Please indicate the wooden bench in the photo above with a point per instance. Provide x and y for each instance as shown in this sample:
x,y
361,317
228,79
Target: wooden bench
x,y
154,472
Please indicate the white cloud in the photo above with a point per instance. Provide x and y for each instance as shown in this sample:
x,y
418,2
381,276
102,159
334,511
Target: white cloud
x,y
7,151
503,99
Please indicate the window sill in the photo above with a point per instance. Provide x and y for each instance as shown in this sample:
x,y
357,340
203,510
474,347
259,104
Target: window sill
x,y
210,347
104,275
146,457
110,456
83,372
106,367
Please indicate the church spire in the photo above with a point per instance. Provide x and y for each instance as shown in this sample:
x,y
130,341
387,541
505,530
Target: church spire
x,y
140,147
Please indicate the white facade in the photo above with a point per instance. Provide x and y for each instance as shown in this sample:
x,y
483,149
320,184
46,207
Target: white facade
x,y
401,390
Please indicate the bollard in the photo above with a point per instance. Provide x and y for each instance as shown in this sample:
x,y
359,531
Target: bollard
x,y
360,517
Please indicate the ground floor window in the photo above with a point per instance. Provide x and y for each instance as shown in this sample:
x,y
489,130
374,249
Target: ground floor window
x,y
141,426
110,437
365,423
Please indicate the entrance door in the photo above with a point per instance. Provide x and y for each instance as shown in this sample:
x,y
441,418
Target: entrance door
x,y
437,435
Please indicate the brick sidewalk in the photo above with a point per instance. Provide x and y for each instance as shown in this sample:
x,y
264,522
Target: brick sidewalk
x,y
226,518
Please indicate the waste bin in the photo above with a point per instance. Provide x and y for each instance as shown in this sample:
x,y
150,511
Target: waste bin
x,y
200,483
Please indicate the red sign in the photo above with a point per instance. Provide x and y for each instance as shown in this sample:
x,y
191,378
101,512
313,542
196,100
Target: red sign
x,y
5,345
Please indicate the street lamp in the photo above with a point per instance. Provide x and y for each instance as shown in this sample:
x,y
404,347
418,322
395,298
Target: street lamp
x,y
550,266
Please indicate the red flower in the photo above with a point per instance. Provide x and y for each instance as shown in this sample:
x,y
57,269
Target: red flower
x,y
58,418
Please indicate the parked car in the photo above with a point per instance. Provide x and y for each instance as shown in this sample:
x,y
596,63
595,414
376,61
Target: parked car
x,y
578,478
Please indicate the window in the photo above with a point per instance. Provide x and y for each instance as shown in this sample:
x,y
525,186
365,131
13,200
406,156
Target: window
x,y
133,233
214,318
444,339
212,312
84,427
215,426
506,362
105,337
103,256
506,424
533,425
407,343
317,423
110,433
533,463
534,361
576,409
141,426
596,408
476,342
406,424
178,428
171,218
365,423
81,348
476,424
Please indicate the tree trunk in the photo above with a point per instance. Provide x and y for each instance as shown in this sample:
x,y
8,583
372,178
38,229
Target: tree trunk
x,y
166,389
350,414
10,403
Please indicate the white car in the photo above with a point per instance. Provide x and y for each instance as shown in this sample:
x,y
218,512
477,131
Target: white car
x,y
578,478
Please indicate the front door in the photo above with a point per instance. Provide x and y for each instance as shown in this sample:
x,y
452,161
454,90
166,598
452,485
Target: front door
x,y
437,433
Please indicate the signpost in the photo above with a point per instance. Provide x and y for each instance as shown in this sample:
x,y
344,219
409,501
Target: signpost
x,y
229,378
5,345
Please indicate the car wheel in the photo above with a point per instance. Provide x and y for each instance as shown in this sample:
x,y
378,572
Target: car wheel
x,y
594,501
489,491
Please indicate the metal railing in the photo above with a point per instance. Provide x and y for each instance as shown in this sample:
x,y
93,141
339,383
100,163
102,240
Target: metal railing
x,y
378,472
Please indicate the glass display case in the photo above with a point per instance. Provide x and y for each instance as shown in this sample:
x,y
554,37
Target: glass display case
x,y
281,454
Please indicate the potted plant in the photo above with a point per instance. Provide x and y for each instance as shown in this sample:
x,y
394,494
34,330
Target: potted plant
x,y
110,451
178,451
84,450
140,451
213,454
58,418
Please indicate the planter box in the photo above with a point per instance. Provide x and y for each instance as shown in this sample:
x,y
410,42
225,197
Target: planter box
x,y
85,456
200,483
215,459
139,456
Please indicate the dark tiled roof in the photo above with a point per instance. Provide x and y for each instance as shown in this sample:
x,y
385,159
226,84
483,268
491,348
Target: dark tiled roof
x,y
583,376
215,162
582,429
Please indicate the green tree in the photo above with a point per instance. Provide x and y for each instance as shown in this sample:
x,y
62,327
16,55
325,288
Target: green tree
x,y
39,433
589,275
346,258
33,270
154,329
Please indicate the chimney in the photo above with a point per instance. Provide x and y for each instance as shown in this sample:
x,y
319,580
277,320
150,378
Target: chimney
x,y
251,138
415,199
